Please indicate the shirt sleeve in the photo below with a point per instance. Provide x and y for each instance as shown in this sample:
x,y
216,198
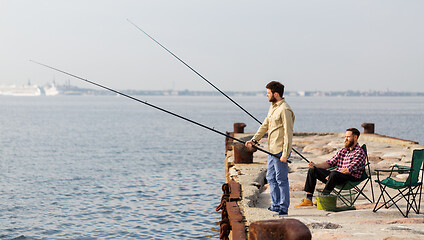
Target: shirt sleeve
x,y
261,131
288,120
335,159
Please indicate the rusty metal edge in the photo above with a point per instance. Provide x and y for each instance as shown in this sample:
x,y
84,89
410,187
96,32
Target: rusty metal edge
x,y
238,230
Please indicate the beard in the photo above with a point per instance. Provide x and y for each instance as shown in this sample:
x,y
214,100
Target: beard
x,y
349,144
272,99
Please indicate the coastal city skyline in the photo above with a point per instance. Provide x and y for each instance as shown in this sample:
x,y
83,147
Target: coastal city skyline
x,y
52,89
238,45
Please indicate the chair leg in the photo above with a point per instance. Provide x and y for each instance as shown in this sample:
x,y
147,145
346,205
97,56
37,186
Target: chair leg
x,y
402,194
376,208
372,190
341,197
383,190
419,201
360,192
354,194
408,203
378,200
413,201
386,203
394,203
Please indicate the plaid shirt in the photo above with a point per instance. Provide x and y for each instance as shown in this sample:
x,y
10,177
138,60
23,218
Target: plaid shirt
x,y
349,159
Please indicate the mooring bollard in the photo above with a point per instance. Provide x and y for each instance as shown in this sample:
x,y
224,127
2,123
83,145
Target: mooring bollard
x,y
368,127
242,153
239,127
284,229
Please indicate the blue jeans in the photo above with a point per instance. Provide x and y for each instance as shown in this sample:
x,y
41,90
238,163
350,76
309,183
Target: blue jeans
x,y
277,177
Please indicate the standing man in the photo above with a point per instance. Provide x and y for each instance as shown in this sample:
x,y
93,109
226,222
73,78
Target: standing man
x,y
347,161
279,125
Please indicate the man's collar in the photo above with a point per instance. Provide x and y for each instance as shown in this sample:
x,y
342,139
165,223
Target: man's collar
x,y
354,147
278,103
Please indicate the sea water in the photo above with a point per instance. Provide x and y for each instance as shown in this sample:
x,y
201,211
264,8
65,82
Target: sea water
x,y
107,167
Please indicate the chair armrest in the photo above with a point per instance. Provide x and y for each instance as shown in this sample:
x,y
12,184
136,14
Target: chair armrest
x,y
399,166
361,167
332,168
391,170
399,169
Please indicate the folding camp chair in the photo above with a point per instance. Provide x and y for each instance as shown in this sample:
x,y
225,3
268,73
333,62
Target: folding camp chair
x,y
349,192
407,190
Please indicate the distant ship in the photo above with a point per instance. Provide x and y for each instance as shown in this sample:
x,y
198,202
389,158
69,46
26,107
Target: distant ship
x,y
29,90
25,90
50,89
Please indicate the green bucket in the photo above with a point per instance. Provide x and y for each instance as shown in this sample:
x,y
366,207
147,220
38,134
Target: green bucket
x,y
326,202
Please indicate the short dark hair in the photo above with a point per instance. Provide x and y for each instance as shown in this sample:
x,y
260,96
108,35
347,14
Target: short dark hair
x,y
276,87
354,131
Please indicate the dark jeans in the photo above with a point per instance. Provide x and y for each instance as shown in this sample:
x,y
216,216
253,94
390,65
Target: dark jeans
x,y
334,178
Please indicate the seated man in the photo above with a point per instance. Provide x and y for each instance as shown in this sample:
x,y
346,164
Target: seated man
x,y
351,157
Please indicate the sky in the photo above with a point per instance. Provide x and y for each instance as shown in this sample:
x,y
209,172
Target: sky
x,y
333,45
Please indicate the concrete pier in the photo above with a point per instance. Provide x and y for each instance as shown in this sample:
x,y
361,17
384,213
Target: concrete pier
x,y
362,223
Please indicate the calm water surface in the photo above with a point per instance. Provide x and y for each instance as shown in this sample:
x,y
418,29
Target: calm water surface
x,y
111,168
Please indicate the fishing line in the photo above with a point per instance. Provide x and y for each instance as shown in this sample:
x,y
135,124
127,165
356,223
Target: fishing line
x,y
195,71
153,106
179,59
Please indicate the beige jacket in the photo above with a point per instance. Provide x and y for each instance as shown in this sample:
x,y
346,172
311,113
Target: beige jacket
x,y
279,125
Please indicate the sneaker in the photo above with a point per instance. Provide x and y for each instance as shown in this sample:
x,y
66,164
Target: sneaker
x,y
283,214
273,209
305,203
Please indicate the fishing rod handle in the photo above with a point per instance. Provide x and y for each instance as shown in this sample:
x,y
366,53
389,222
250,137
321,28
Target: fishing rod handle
x,y
272,154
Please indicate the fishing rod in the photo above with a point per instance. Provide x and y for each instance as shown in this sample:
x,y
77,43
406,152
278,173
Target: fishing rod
x,y
153,106
179,59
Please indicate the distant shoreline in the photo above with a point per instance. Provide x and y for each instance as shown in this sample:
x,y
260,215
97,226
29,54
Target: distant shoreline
x,y
68,89
64,89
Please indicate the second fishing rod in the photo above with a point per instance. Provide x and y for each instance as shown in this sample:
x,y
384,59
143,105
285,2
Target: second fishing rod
x,y
153,106
192,69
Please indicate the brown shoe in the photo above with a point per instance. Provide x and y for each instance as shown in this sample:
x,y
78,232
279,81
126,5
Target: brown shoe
x,y
305,203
